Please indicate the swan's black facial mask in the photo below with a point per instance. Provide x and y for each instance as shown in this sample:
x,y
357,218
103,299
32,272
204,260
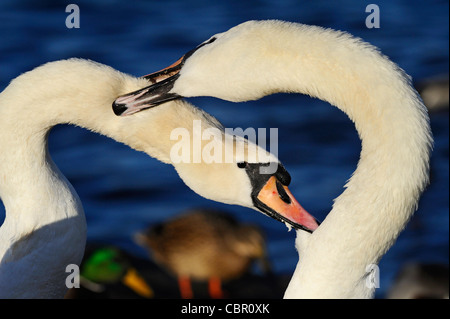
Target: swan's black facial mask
x,y
158,92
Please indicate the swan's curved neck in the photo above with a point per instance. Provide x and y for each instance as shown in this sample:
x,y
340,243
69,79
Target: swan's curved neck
x,y
389,116
72,91
392,171
44,217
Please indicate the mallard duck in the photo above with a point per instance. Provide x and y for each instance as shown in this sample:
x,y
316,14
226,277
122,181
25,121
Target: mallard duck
x,y
204,245
105,266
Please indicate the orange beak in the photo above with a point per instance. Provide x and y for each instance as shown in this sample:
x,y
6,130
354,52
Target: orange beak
x,y
280,204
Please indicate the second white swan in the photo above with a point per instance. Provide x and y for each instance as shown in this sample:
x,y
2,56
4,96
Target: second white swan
x,y
258,58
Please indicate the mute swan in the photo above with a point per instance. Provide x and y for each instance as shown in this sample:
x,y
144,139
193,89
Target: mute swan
x,y
258,58
45,229
205,245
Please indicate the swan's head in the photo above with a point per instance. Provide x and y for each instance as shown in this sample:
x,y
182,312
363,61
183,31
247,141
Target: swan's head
x,y
226,66
248,176
244,184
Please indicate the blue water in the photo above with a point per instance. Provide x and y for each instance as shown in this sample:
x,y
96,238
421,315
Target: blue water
x,y
123,191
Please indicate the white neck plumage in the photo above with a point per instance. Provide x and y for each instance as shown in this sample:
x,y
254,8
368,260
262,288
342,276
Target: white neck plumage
x,y
392,171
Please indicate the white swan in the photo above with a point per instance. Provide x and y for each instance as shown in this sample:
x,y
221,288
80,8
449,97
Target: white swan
x,y
45,230
258,58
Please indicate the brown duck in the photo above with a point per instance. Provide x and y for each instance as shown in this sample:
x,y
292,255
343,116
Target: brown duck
x,y
205,245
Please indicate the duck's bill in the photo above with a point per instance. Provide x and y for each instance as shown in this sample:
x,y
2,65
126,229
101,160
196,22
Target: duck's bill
x,y
276,201
156,93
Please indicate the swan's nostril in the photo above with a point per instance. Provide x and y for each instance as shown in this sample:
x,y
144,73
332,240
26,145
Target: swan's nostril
x,y
118,108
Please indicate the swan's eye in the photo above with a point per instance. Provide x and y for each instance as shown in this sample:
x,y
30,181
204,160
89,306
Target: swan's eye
x,y
242,164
